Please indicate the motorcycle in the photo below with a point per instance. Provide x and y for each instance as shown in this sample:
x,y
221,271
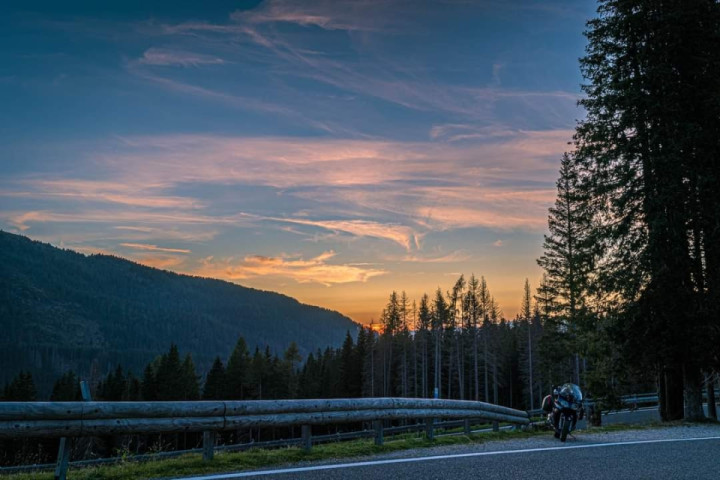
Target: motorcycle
x,y
566,408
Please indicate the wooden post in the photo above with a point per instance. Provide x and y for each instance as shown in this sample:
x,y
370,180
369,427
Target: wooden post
x,y
496,426
85,391
208,445
306,437
467,426
429,429
63,459
378,426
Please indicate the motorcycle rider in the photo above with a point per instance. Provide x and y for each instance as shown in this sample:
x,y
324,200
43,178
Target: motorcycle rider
x,y
553,413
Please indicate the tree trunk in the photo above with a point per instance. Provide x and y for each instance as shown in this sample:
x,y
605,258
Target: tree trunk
x,y
475,365
495,381
712,409
530,367
693,393
485,353
672,394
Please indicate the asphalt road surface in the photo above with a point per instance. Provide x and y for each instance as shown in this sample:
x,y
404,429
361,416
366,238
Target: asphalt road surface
x,y
690,452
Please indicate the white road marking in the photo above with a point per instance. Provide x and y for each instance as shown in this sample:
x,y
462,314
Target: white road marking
x,y
225,476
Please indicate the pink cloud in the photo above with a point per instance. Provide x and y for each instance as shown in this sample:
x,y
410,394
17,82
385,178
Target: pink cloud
x,y
154,248
132,194
399,234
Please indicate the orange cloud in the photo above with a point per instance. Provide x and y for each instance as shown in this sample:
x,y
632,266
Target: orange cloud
x,y
315,270
162,261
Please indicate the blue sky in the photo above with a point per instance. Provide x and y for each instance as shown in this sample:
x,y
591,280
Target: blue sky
x,y
331,150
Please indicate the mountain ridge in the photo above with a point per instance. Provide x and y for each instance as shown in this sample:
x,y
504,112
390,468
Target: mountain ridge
x,y
61,309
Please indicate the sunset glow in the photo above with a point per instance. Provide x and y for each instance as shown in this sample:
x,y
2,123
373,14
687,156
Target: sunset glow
x,y
332,151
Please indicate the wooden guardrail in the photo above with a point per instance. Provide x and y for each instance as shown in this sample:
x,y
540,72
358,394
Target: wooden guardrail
x,y
87,419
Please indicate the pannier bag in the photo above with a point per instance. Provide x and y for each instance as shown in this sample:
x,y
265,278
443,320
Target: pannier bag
x,y
547,403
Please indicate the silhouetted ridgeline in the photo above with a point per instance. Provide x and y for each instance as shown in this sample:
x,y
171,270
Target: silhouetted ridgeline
x,y
62,310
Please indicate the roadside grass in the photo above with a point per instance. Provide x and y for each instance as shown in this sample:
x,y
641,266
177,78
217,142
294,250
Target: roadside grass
x,y
193,464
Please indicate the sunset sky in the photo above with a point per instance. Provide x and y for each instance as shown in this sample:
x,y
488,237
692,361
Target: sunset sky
x,y
333,150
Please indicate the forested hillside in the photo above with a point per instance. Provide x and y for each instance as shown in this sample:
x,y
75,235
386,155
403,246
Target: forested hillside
x,y
62,310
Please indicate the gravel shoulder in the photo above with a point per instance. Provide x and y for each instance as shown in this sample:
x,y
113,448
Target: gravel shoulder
x,y
580,437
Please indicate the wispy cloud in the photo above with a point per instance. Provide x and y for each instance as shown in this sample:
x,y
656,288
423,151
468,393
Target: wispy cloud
x,y
326,14
154,248
365,71
396,191
23,220
402,235
102,191
316,269
169,57
454,257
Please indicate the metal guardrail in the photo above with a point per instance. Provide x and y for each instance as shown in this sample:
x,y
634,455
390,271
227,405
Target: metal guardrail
x,y
82,419
87,419
466,425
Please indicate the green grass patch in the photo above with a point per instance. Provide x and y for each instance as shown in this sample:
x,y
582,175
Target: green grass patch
x,y
193,464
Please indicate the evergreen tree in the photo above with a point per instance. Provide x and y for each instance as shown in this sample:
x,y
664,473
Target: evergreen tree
x,y
472,312
238,372
171,376
291,362
349,369
568,256
259,369
652,103
21,389
133,390
215,384
66,389
425,320
191,387
114,387
568,260
149,385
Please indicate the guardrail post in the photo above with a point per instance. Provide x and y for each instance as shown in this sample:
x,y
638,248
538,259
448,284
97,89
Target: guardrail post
x,y
378,426
306,437
496,427
466,425
430,429
208,445
63,458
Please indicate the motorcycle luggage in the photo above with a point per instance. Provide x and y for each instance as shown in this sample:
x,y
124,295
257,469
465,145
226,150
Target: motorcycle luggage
x,y
547,404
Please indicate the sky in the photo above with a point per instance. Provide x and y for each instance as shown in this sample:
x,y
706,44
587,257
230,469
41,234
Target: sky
x,y
333,151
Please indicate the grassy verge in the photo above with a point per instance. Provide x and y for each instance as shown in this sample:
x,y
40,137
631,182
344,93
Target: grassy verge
x,y
235,461
252,459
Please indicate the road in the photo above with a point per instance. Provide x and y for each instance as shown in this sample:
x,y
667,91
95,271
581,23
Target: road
x,y
662,453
